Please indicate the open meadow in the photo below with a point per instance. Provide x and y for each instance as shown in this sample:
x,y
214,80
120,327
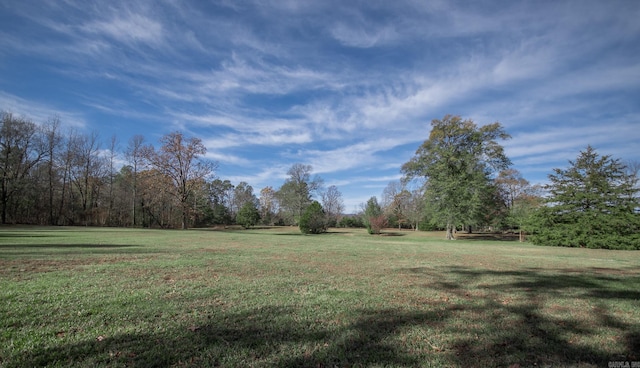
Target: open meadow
x,y
273,297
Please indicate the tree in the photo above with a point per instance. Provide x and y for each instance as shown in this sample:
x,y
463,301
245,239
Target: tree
x,y
134,155
20,151
415,208
512,184
87,168
457,162
242,194
591,204
333,205
180,159
313,220
220,198
296,193
374,218
396,200
268,205
248,215
52,141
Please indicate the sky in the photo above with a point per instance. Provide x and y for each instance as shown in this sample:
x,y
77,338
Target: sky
x,y
348,87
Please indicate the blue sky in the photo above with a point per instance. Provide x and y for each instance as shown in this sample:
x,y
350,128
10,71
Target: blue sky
x,y
349,87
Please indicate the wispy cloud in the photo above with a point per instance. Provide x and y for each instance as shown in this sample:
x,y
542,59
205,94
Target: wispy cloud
x,y
40,112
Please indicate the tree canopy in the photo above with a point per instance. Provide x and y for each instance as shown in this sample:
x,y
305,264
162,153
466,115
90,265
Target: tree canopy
x,y
592,204
457,162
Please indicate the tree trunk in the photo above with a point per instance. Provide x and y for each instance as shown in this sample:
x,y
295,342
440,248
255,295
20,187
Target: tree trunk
x,y
450,231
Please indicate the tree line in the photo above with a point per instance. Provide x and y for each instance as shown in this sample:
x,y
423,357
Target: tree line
x,y
458,179
51,176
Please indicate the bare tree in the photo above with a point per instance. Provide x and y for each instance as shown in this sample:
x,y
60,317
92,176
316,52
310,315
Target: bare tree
x,y
332,204
134,155
180,160
52,141
20,151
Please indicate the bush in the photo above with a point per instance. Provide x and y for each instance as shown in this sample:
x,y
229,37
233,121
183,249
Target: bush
x,y
248,215
351,221
313,220
376,224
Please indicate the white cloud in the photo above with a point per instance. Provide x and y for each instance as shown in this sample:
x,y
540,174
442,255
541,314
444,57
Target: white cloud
x,y
39,112
127,27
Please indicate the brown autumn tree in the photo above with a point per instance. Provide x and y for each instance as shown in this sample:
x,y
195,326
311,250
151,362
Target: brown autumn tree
x,y
180,159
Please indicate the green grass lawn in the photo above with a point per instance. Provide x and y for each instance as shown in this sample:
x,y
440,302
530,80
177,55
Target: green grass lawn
x,y
262,298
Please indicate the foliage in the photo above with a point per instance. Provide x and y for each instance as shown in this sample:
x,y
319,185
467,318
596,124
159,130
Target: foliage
x,y
179,159
248,215
373,217
295,194
333,205
591,204
354,221
457,161
20,152
313,220
377,224
268,206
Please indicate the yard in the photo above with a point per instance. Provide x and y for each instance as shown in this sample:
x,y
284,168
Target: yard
x,y
273,297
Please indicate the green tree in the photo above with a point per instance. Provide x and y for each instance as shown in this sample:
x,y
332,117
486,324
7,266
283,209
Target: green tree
x,y
457,162
295,195
313,220
373,217
591,204
248,215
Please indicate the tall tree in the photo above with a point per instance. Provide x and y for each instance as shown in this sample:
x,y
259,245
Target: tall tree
x,y
180,159
134,155
457,161
333,205
242,194
297,191
87,169
52,141
20,151
591,204
268,205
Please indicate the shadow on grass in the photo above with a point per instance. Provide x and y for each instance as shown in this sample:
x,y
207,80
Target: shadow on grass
x,y
488,236
68,246
481,329
544,326
251,338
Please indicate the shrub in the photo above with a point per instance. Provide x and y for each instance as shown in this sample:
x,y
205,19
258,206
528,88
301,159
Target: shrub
x,y
376,224
248,215
313,220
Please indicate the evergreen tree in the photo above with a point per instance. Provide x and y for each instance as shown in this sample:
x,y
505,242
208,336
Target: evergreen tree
x,y
592,204
248,215
313,220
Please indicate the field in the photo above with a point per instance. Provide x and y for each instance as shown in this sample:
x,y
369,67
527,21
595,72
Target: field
x,y
272,297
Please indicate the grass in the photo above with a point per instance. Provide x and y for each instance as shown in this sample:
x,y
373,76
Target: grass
x,y
273,297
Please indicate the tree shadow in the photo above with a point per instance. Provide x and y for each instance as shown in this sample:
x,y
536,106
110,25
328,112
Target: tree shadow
x,y
488,236
544,327
481,329
249,338
68,246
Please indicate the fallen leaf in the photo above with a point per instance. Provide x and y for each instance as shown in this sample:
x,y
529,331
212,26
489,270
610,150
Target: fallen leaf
x,y
100,338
